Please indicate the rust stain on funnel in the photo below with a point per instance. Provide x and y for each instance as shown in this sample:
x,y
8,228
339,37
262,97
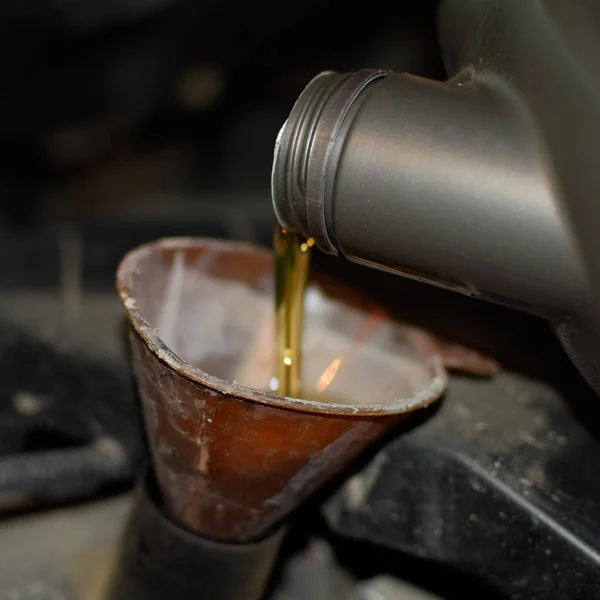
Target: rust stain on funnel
x,y
231,458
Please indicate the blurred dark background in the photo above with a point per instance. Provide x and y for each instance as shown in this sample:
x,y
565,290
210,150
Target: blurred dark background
x,y
155,110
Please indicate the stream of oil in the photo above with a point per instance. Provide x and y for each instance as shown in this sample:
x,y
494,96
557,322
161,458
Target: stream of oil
x,y
292,263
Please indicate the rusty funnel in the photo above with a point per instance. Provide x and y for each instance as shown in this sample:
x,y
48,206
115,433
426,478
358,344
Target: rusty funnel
x,y
232,458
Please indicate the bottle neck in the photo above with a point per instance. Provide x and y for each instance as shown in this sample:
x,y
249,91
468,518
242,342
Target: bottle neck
x,y
307,151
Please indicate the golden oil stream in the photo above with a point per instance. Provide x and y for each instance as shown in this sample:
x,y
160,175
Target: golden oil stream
x,y
292,262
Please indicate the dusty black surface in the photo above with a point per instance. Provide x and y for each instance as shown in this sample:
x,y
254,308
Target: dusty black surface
x,y
501,481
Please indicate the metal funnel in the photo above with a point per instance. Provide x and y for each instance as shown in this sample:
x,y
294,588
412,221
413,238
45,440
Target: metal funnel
x,y
232,459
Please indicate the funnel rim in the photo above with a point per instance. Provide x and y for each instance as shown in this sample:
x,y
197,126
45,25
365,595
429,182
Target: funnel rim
x,y
126,272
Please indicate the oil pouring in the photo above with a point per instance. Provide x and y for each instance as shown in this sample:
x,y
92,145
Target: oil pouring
x,y
292,262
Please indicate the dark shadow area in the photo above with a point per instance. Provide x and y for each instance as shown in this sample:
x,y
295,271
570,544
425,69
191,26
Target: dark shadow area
x,y
365,561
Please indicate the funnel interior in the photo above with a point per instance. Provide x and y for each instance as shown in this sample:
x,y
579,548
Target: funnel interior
x,y
214,310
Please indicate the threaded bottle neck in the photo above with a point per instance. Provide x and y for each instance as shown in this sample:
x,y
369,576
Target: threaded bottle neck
x,y
292,152
304,148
